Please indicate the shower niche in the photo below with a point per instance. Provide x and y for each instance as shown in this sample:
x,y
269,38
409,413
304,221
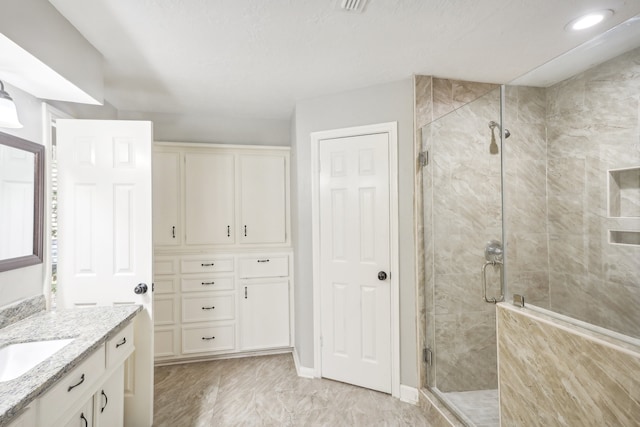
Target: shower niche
x,y
624,204
624,193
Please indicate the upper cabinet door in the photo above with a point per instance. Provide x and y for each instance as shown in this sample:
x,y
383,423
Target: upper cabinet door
x,y
263,204
166,199
209,198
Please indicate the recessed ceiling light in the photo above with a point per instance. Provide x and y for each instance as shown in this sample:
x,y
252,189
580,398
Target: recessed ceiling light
x,y
589,20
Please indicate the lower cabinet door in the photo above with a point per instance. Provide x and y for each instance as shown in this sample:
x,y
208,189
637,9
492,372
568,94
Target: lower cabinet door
x,y
109,401
82,418
264,321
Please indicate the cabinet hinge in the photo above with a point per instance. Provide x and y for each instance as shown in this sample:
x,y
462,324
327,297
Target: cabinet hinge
x,y
427,356
321,342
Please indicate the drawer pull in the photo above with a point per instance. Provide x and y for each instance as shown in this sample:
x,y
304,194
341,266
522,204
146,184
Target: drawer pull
x,y
71,387
173,231
263,260
228,231
82,417
123,342
208,308
106,401
208,283
245,231
245,292
208,338
207,264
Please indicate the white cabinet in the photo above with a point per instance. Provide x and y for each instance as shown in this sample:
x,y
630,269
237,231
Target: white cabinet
x,y
167,230
109,401
217,196
264,314
92,393
263,204
209,198
27,417
230,202
227,303
83,417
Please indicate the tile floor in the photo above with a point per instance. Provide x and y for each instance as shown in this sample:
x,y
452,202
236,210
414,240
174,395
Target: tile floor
x,y
265,391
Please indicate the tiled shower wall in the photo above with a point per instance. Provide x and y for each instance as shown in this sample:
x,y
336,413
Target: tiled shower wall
x,y
460,203
593,126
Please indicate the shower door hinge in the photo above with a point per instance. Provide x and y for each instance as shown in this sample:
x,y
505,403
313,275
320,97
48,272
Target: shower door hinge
x,y
423,158
427,356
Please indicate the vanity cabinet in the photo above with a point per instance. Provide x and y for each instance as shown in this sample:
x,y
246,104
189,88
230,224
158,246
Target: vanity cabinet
x,y
109,401
27,417
92,393
83,417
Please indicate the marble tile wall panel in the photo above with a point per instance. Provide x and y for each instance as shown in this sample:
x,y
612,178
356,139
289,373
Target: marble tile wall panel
x,y
555,374
423,100
593,126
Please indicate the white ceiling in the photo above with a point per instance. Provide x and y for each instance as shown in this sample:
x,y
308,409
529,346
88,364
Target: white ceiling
x,y
256,58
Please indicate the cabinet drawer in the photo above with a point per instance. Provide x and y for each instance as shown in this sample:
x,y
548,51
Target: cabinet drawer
x,y
120,346
162,285
200,339
207,265
267,266
165,266
165,310
199,308
204,283
73,387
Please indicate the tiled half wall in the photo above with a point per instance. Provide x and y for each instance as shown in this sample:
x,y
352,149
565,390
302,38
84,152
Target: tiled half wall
x,y
556,373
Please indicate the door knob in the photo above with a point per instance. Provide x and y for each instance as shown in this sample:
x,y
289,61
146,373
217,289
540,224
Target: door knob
x,y
382,275
141,288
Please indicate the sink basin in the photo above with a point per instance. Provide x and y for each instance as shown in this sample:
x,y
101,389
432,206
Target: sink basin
x,y
16,359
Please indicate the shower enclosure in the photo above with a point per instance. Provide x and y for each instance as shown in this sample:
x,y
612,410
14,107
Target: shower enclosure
x,y
551,212
462,217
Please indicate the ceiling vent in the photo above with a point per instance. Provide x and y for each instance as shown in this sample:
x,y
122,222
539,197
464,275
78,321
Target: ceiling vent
x,y
353,5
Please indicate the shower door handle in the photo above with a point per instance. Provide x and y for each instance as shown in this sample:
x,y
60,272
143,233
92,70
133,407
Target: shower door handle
x,y
491,300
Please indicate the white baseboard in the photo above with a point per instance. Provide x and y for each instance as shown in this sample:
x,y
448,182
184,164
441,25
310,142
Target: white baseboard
x,y
302,371
409,394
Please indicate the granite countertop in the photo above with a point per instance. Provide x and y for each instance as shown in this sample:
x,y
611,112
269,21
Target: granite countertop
x,y
89,327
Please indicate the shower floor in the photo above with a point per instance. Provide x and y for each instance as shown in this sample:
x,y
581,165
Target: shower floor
x,y
479,407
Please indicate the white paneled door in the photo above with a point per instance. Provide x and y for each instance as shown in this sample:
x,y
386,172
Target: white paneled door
x,y
355,260
104,234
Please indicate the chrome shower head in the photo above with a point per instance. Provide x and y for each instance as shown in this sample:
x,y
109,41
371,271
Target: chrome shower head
x,y
493,125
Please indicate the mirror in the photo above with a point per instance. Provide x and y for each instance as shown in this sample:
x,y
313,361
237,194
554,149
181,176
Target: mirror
x,y
21,202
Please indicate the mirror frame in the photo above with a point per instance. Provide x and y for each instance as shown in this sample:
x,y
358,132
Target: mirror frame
x,y
38,202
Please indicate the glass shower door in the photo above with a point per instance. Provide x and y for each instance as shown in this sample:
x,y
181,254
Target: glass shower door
x,y
462,208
